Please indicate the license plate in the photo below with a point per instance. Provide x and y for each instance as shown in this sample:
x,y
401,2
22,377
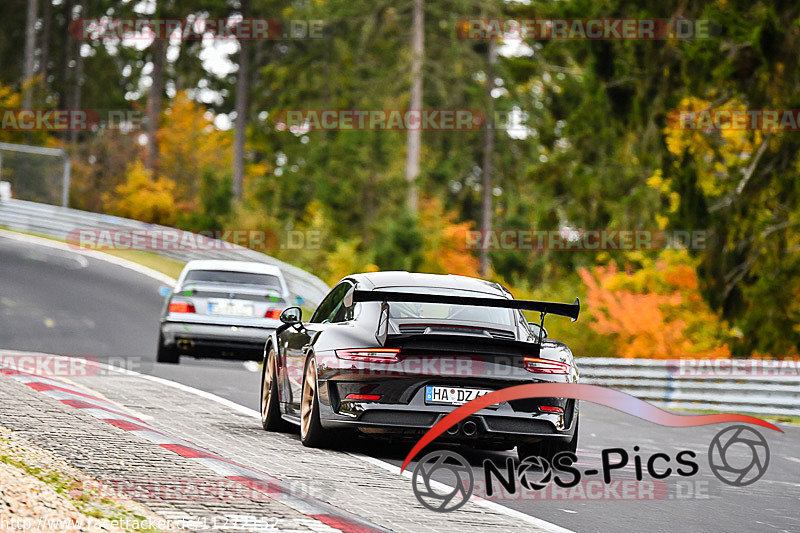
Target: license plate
x,y
230,308
451,395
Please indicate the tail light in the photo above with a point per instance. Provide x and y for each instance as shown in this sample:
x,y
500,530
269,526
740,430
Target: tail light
x,y
363,397
181,307
370,355
273,313
545,366
550,409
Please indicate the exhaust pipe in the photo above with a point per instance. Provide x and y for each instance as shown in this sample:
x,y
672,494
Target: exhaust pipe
x,y
453,430
469,428
185,344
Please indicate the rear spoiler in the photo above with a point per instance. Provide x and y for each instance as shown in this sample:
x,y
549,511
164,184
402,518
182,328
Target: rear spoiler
x,y
547,308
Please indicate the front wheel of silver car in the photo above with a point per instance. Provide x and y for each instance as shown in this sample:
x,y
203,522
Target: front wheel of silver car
x,y
270,406
312,434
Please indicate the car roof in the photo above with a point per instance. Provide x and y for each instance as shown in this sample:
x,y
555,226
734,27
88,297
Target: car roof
x,y
379,280
233,266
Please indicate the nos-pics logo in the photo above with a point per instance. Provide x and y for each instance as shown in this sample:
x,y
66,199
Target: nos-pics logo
x,y
738,456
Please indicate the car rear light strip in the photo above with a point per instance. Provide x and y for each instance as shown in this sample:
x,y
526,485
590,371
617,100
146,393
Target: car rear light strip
x,y
369,355
545,366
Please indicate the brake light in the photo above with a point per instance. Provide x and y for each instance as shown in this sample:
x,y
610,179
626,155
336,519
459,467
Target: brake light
x,y
181,307
370,355
273,313
363,397
551,409
545,366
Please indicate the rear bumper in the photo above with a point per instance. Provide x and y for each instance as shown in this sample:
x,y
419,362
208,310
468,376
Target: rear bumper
x,y
212,340
509,422
498,426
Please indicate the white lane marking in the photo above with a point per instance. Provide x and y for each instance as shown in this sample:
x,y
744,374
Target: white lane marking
x,y
570,511
41,241
793,459
501,509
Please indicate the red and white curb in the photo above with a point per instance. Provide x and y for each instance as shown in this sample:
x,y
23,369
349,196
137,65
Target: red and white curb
x,y
273,487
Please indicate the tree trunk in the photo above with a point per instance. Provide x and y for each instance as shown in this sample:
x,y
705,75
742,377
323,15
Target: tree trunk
x,y
66,49
30,50
77,87
488,150
242,92
155,101
47,22
414,144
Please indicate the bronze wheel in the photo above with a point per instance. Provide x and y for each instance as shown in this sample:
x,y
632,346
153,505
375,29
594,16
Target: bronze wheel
x,y
308,400
312,434
270,406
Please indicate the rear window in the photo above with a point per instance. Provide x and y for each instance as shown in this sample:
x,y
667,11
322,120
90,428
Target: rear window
x,y
471,313
239,278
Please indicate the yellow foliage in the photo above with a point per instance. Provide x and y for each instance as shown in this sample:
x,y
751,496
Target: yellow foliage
x,y
142,198
189,144
12,100
718,153
345,259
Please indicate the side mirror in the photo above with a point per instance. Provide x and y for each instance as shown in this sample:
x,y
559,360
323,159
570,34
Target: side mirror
x,y
292,316
536,329
164,291
348,298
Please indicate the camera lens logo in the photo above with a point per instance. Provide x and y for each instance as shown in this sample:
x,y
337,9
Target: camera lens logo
x,y
534,473
738,455
452,470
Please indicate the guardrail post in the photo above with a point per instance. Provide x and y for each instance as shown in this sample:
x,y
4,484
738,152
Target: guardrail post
x,y
66,180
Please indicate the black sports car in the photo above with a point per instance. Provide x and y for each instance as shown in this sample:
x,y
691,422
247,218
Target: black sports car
x,y
388,354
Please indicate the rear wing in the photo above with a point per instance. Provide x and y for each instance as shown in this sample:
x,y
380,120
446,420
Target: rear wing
x,y
547,308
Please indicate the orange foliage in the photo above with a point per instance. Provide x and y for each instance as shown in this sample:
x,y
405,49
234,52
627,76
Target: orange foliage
x,y
445,240
655,312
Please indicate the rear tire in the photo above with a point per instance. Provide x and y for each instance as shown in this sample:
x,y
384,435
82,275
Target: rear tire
x,y
549,448
312,434
270,405
166,354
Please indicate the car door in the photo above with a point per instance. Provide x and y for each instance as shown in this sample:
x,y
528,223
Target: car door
x,y
296,343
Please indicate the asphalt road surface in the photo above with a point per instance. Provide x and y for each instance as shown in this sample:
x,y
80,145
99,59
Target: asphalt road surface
x,y
57,301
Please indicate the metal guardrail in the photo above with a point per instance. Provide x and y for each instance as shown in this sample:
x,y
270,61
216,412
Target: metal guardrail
x,y
668,384
57,222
